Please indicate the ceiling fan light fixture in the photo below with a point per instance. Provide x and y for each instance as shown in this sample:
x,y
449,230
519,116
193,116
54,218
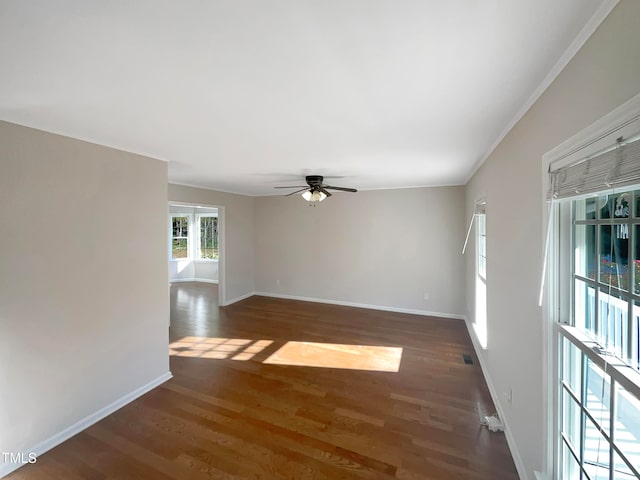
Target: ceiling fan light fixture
x,y
314,196
316,191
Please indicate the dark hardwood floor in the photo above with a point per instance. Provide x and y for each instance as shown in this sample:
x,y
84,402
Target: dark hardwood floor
x,y
237,407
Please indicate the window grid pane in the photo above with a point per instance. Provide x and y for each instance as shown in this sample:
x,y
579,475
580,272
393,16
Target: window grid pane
x,y
634,348
627,427
591,441
613,329
621,469
597,393
571,366
585,307
570,466
606,258
571,420
482,246
585,251
179,248
208,245
179,237
595,451
613,255
180,227
636,259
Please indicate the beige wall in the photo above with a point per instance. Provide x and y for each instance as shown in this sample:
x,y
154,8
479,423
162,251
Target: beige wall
x,y
603,75
384,248
238,231
83,281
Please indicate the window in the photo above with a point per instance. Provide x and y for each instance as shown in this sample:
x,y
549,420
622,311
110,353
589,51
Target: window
x,y
179,237
599,407
606,274
194,236
207,226
596,307
480,321
482,246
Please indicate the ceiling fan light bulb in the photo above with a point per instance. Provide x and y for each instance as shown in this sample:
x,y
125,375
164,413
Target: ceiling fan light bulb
x,y
314,196
317,196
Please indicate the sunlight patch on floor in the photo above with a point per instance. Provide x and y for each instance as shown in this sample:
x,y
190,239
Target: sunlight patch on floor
x,y
302,354
333,355
218,348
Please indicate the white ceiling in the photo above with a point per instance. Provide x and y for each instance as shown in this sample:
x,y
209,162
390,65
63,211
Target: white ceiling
x,y
243,95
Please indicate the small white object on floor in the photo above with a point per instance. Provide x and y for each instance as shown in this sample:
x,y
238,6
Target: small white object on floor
x,y
494,423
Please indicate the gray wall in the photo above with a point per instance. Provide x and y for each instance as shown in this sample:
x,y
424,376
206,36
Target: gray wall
x,y
602,76
238,231
383,248
83,280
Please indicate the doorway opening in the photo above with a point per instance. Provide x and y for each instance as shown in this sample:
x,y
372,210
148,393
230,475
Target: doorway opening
x,y
195,244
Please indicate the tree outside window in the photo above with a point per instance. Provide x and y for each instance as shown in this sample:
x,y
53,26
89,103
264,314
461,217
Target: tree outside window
x,y
179,237
208,237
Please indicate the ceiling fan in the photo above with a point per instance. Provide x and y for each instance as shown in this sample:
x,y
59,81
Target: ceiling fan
x,y
316,191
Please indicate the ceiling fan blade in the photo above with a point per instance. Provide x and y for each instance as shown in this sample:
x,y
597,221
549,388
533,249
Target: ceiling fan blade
x,y
326,192
343,189
294,186
297,191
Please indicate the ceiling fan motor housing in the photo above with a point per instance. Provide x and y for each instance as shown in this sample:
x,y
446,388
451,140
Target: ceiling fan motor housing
x,y
314,180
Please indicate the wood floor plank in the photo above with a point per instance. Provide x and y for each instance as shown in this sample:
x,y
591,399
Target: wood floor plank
x,y
231,413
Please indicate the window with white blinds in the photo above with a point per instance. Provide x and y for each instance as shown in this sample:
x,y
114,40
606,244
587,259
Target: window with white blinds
x,y
615,167
597,202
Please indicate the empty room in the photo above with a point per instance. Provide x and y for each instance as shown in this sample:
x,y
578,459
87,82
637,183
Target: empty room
x,y
320,240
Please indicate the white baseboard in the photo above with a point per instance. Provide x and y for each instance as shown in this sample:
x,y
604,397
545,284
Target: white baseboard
x,y
347,304
363,305
515,453
67,433
237,299
204,280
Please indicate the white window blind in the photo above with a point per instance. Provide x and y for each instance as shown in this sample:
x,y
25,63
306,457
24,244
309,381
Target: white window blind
x,y
613,168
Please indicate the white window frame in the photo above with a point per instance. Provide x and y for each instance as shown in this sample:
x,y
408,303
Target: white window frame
x,y
481,253
480,318
625,122
619,381
196,228
189,217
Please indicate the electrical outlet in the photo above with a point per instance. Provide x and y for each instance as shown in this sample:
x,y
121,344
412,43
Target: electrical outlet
x,y
277,283
508,395
426,296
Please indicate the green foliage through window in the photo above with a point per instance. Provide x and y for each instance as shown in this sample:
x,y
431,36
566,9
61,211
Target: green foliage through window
x,y
179,237
209,238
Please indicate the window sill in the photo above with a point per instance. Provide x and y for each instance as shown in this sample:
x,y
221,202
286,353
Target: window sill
x,y
197,260
622,373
